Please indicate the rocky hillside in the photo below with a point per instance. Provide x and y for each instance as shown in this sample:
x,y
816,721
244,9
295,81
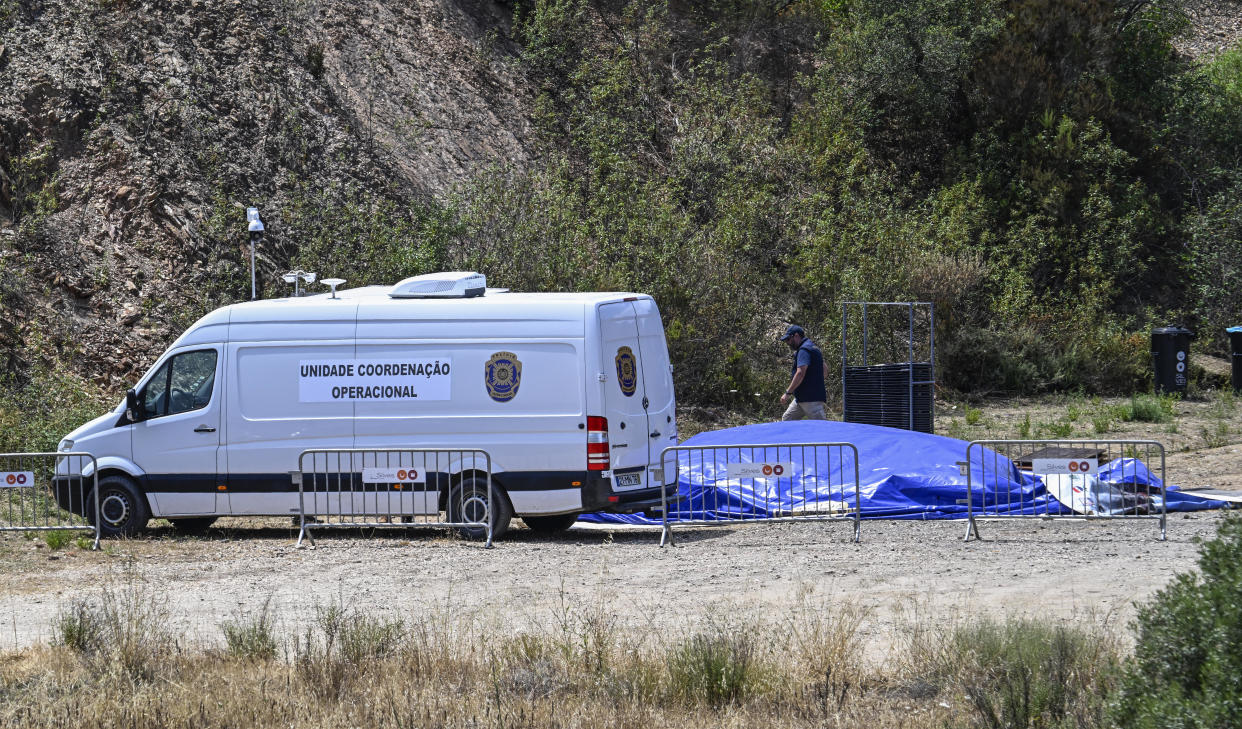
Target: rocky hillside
x,y
1057,176
132,135
1215,26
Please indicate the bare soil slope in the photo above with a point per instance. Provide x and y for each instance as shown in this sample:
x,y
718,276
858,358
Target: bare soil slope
x,y
133,134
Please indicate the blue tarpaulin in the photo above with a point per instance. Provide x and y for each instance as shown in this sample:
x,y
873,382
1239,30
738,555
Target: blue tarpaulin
x,y
902,474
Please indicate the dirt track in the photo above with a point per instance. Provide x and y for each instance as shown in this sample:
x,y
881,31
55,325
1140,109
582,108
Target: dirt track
x,y
1062,569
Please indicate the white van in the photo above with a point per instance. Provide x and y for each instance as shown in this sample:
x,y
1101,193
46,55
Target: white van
x,y
570,394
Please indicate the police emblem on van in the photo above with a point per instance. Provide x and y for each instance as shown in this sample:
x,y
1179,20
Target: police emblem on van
x,y
503,376
627,371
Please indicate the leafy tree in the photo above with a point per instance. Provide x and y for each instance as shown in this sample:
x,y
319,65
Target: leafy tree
x,y
1187,667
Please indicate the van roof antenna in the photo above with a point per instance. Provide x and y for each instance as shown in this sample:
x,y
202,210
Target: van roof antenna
x,y
297,277
333,282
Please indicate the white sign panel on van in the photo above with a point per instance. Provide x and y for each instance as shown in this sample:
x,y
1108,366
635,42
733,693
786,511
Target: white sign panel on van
x,y
374,380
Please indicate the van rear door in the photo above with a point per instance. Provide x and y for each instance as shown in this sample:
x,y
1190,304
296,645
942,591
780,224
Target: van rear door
x,y
657,380
625,395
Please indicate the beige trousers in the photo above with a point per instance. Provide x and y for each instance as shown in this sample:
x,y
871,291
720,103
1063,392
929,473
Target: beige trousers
x,y
805,411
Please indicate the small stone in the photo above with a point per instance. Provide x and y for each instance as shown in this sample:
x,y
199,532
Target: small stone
x,y
130,285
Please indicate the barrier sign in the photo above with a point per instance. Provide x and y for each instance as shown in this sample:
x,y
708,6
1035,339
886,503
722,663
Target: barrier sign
x,y
393,475
1065,466
17,479
760,470
331,495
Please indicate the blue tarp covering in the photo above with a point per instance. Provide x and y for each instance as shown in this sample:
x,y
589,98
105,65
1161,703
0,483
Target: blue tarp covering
x,y
903,475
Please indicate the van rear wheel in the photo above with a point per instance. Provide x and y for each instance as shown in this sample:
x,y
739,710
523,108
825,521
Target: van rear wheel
x,y
122,508
550,524
467,502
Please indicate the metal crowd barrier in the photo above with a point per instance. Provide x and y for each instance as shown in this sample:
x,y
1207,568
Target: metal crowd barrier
x,y
47,492
1082,479
723,485
394,488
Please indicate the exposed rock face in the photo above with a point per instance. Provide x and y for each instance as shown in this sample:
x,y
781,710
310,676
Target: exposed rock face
x,y
133,134
1216,25
432,81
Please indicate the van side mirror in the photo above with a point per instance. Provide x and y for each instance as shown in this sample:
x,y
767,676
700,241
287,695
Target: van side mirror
x,y
133,409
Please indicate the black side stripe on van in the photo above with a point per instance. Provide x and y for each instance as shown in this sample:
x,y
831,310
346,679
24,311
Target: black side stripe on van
x,y
250,483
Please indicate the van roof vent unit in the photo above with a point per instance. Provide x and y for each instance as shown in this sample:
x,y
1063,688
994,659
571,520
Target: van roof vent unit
x,y
446,285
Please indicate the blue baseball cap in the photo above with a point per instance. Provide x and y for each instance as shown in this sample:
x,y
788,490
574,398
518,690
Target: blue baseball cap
x,y
792,330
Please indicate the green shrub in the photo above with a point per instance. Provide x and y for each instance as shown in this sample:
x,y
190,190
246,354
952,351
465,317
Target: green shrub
x,y
57,538
714,669
251,636
955,429
1187,665
1215,436
1026,673
1149,409
1021,672
79,627
1061,429
365,637
124,630
973,415
27,424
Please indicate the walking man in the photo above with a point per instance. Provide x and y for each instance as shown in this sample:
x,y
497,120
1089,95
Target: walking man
x,y
807,386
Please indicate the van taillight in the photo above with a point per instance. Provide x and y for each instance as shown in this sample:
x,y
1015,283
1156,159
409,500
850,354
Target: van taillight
x,y
597,443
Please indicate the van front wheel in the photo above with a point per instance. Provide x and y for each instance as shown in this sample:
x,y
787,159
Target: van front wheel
x,y
467,502
122,508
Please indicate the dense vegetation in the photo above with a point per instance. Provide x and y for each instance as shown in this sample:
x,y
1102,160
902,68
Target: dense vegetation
x,y
1187,667
1049,172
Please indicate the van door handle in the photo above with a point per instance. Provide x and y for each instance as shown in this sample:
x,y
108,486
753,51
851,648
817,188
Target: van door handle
x,y
655,434
204,429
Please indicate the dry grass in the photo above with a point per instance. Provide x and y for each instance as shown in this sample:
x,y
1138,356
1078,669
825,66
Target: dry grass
x,y
115,662
1210,419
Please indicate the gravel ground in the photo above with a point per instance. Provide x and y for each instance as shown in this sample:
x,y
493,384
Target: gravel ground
x,y
900,572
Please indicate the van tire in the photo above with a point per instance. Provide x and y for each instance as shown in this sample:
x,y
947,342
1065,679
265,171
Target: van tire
x,y
470,495
192,525
550,524
123,508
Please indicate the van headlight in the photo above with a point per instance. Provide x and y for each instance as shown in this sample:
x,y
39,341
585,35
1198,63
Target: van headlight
x,y
65,446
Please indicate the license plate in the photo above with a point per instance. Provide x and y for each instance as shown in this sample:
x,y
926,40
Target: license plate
x,y
629,479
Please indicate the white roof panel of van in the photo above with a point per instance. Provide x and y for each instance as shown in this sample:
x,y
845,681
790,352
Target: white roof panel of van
x,y
373,301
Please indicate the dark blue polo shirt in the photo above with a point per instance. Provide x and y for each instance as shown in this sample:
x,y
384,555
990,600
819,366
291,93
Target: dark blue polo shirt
x,y
812,387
